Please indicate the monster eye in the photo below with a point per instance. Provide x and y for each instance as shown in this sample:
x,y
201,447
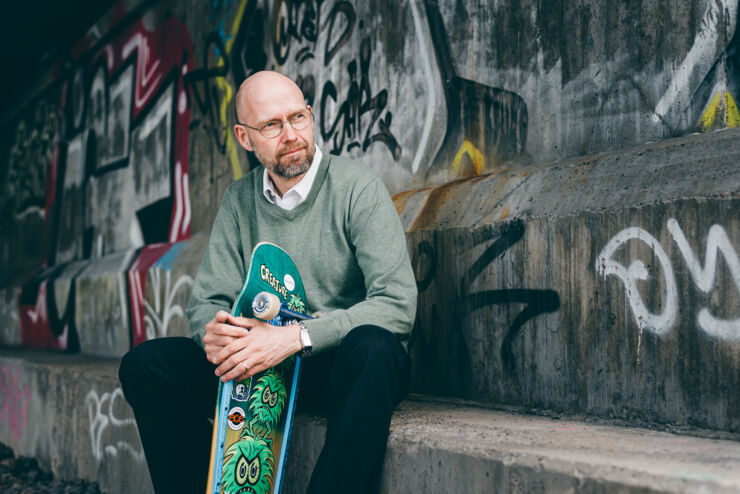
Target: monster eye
x,y
241,470
254,471
266,395
273,399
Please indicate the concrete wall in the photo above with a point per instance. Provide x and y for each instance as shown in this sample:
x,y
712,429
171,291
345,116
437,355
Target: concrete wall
x,y
615,291
531,292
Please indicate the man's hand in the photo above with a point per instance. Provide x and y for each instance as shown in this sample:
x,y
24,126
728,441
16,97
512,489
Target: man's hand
x,y
263,346
220,331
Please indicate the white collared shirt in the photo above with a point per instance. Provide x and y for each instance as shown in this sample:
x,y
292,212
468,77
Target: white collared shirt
x,y
296,194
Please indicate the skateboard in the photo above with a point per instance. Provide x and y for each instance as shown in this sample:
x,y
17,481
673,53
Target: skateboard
x,y
254,417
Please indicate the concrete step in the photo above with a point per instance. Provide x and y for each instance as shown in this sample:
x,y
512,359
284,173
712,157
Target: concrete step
x,y
68,412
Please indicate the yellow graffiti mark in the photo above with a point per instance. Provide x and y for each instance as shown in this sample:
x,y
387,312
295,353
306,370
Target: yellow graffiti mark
x,y
733,116
228,92
721,113
475,156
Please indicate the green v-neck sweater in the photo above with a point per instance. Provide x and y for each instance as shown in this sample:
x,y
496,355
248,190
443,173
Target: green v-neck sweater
x,y
346,239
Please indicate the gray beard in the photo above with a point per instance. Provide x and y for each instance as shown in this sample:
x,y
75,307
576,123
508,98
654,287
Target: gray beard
x,y
289,170
293,169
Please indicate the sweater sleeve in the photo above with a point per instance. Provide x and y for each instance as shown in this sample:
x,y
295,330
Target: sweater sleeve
x,y
221,272
379,243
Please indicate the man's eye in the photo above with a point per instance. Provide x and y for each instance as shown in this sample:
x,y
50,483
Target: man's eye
x,y
271,125
298,118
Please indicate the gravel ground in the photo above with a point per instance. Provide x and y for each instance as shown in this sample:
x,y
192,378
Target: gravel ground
x,y
23,476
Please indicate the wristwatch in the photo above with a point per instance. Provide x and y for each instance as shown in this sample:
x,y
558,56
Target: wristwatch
x,y
305,341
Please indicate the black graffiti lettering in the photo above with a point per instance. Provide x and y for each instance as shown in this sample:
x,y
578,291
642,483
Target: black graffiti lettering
x,y
539,301
307,83
425,248
280,35
247,53
310,25
303,54
329,91
206,94
345,8
347,125
509,235
294,19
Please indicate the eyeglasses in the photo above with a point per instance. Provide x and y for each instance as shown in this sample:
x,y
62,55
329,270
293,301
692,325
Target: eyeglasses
x,y
274,128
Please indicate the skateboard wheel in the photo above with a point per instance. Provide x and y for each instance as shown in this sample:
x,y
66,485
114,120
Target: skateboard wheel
x,y
266,306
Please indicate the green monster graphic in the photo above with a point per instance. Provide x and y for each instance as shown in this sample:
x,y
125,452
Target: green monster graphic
x,y
296,304
267,401
248,466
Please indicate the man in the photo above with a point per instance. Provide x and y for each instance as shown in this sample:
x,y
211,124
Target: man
x,y
336,220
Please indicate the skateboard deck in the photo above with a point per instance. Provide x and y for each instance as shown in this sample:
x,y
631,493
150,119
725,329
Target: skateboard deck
x,y
254,417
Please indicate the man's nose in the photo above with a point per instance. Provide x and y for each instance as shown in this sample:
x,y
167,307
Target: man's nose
x,y
289,133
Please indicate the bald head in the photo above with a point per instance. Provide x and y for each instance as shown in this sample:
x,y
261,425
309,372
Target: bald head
x,y
262,88
270,98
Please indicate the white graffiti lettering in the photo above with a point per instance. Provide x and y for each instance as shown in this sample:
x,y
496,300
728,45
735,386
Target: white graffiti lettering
x,y
703,277
605,265
100,415
717,241
159,315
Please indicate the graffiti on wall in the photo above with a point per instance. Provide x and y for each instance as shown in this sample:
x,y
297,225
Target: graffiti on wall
x,y
127,128
32,149
481,120
29,172
716,27
14,396
123,172
704,276
467,299
351,114
212,93
333,51
163,307
106,426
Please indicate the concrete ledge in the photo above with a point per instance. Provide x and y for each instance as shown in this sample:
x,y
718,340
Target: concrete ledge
x,y
447,446
68,412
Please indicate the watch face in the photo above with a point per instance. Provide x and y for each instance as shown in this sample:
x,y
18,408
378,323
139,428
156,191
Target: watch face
x,y
305,339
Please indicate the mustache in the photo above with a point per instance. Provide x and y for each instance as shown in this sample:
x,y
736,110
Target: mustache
x,y
290,150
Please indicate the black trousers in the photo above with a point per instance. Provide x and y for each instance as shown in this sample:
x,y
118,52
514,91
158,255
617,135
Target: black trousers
x,y
172,389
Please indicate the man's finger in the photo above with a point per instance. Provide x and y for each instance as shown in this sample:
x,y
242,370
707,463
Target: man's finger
x,y
230,330
230,359
232,368
242,322
231,349
222,316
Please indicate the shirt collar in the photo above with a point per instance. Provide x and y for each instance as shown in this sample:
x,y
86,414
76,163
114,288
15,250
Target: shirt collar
x,y
296,194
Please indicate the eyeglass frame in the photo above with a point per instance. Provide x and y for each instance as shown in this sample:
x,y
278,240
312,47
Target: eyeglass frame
x,y
282,123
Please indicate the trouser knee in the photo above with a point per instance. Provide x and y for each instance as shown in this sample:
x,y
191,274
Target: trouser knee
x,y
372,344
130,372
376,353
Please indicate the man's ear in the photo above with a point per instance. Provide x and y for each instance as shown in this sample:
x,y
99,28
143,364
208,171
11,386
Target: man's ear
x,y
241,135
